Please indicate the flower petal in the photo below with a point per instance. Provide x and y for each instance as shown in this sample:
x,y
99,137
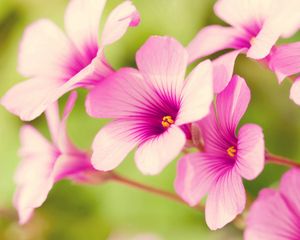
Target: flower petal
x,y
197,94
270,218
53,121
32,189
44,50
163,61
29,99
196,174
64,143
156,153
232,103
250,151
71,165
240,13
82,19
123,94
270,19
225,200
223,68
290,19
289,188
214,139
285,59
118,21
283,20
262,44
211,39
113,143
295,91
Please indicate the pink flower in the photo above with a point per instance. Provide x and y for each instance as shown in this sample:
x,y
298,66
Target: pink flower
x,y
44,163
149,106
275,215
56,63
255,27
228,157
284,60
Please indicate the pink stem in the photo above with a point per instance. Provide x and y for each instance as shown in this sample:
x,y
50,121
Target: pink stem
x,y
279,160
150,189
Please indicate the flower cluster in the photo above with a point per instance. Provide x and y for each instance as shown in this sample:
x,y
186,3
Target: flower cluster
x,y
159,109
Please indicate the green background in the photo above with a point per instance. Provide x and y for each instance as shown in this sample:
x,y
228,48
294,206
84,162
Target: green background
x,y
117,212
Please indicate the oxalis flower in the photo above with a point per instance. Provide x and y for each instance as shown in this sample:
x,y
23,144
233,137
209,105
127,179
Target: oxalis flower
x,y
275,215
255,27
149,106
284,60
227,158
44,163
56,63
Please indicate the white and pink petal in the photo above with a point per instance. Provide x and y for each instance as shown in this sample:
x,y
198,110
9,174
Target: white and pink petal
x,y
295,91
123,16
30,98
53,121
196,175
63,141
211,39
44,51
223,68
271,218
250,151
153,155
232,103
71,166
243,12
32,189
263,42
123,94
113,143
226,199
162,61
289,188
197,94
211,134
285,59
82,20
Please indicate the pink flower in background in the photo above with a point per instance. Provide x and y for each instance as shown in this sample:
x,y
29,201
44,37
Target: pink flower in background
x,y
275,215
255,27
149,106
284,60
56,63
227,157
44,163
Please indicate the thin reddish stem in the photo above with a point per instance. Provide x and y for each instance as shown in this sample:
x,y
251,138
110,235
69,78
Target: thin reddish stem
x,y
280,160
150,189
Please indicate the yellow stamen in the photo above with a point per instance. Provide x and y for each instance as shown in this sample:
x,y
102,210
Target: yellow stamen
x,y
167,121
231,151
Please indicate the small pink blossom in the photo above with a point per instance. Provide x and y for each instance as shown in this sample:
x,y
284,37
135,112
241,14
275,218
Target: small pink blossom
x,y
255,27
284,60
275,215
44,163
227,157
149,106
56,63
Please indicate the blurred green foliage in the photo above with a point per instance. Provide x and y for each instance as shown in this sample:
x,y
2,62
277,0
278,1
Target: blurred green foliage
x,y
83,212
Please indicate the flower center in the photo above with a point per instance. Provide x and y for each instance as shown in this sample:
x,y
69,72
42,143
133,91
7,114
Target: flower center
x,y
231,151
167,121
